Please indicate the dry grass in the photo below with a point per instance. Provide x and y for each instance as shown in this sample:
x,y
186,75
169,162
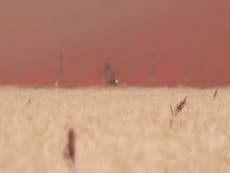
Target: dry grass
x,y
118,130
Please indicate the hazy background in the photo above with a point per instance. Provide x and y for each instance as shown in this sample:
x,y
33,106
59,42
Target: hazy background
x,y
190,41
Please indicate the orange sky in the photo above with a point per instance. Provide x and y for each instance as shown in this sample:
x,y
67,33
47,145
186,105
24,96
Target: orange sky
x,y
189,39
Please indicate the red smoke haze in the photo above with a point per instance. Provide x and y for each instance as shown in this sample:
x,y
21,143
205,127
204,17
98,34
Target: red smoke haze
x,y
190,41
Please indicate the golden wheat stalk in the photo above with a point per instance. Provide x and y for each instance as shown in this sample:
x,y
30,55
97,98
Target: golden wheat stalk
x,y
70,153
181,105
215,94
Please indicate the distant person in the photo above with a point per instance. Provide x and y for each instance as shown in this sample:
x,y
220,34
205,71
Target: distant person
x,y
110,75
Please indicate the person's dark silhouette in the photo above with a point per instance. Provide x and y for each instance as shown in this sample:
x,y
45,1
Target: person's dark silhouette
x,y
109,75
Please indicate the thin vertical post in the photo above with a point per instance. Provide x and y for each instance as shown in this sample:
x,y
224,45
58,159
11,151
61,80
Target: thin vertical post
x,y
61,70
152,75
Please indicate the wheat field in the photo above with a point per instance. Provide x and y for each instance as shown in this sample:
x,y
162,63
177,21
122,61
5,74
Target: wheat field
x,y
118,130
